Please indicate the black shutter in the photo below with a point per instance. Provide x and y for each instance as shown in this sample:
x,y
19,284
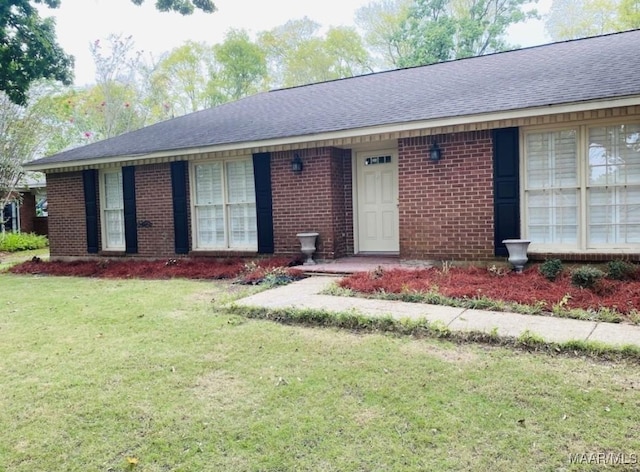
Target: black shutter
x,y
129,200
506,187
90,184
180,215
264,208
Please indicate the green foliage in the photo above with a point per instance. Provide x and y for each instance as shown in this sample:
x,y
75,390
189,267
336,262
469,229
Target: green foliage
x,y
586,276
440,30
243,65
28,45
621,270
12,242
183,78
278,276
550,269
297,54
381,23
530,340
29,50
572,19
608,315
184,7
629,14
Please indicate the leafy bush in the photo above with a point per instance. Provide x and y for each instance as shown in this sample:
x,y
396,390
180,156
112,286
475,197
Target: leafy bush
x,y
550,269
621,270
586,276
13,242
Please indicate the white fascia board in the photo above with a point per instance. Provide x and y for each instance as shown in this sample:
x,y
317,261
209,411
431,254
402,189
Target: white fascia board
x,y
354,132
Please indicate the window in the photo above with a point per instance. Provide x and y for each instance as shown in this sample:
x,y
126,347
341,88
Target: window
x,y
225,206
582,187
112,210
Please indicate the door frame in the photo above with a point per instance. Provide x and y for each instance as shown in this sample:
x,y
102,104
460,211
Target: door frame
x,y
354,193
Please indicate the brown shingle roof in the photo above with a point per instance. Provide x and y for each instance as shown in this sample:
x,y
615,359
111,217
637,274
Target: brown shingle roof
x,y
601,67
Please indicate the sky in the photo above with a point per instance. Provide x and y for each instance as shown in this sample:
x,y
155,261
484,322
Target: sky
x,y
80,22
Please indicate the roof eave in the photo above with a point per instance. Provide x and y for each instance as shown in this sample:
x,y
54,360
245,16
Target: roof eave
x,y
292,141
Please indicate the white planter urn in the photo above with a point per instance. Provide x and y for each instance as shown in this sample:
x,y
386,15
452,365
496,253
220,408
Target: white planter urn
x,y
517,252
308,243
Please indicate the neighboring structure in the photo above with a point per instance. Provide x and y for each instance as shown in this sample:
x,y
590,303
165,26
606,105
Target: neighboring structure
x,y
27,212
540,143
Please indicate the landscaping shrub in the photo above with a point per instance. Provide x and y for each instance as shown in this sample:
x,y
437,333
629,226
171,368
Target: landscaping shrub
x,y
472,286
550,269
621,270
13,242
586,276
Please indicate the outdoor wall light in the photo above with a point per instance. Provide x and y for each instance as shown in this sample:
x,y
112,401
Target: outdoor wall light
x,y
435,153
296,163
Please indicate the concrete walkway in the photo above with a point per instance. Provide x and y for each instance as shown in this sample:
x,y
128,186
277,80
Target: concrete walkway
x,y
306,294
351,264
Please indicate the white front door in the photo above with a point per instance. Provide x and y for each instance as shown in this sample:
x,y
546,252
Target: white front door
x,y
377,200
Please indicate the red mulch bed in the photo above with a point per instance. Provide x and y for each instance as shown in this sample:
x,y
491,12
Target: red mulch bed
x,y
529,287
165,269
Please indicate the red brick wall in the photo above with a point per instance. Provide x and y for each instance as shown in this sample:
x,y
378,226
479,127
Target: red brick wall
x,y
154,207
446,208
27,212
316,199
67,227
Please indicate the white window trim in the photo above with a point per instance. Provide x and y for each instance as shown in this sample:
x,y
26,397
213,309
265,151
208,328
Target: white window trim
x,y
226,205
103,219
582,130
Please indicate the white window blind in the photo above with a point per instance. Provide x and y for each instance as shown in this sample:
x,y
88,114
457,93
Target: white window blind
x,y
225,205
614,185
551,187
242,207
113,210
209,206
582,187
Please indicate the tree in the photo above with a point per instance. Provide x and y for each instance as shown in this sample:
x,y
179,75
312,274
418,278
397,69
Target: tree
x,y
381,22
182,79
427,34
281,43
23,134
114,105
572,19
629,14
28,49
28,46
242,65
440,30
184,7
116,96
346,50
297,54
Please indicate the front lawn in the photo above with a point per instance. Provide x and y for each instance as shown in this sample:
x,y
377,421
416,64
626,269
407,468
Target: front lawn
x,y
151,375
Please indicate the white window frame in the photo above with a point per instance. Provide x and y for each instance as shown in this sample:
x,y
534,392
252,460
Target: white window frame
x,y
583,245
104,221
227,206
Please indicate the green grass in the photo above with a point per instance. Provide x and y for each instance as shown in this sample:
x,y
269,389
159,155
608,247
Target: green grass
x,y
98,371
7,259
